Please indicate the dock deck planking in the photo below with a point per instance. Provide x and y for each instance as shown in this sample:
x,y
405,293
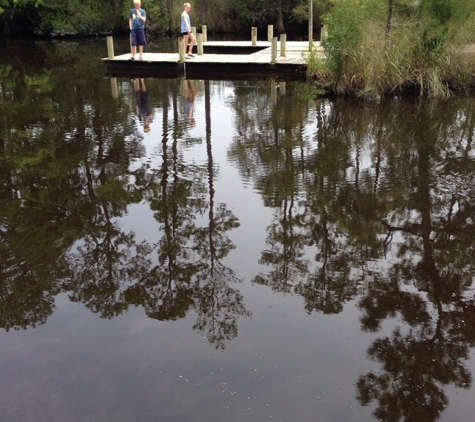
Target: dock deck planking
x,y
257,61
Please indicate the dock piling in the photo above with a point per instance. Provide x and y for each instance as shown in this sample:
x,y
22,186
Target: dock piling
x,y
110,47
199,44
270,32
254,35
273,56
283,45
204,31
181,50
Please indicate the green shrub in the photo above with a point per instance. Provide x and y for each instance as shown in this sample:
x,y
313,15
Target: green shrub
x,y
425,51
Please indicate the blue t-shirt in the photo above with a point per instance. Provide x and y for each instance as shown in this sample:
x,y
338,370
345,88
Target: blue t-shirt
x,y
137,23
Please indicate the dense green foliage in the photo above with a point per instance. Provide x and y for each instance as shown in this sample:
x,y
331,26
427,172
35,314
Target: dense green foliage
x,y
90,17
386,46
381,46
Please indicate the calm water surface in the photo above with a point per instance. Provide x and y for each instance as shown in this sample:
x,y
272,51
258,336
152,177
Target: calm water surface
x,y
176,250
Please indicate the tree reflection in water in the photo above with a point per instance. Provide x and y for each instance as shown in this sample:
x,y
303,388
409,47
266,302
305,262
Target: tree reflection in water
x,y
350,217
115,272
90,257
418,360
371,204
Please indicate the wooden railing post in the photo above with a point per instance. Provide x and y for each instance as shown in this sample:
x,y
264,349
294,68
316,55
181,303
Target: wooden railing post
x,y
273,56
254,35
181,50
110,47
270,32
204,31
199,44
283,45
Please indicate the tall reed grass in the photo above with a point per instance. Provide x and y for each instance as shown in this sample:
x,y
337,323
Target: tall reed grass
x,y
419,55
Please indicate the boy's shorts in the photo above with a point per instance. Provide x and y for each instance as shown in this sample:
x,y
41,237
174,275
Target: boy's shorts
x,y
138,37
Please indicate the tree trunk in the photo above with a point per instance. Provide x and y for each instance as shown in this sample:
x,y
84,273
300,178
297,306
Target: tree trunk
x,y
170,14
203,12
390,17
279,25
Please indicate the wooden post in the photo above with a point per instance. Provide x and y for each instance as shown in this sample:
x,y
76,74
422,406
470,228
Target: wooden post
x,y
199,44
273,56
110,47
181,50
270,32
193,29
283,45
254,35
204,31
115,92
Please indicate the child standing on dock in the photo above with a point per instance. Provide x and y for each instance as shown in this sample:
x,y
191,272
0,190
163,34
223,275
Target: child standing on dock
x,y
188,36
137,18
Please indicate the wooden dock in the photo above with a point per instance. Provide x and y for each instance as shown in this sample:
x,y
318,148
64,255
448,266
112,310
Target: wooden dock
x,y
228,60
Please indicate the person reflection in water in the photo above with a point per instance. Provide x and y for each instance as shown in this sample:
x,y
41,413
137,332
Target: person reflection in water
x,y
190,95
143,103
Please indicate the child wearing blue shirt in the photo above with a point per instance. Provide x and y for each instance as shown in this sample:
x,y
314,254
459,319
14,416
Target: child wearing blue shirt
x,y
137,18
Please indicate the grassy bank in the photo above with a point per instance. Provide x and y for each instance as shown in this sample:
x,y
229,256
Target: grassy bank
x,y
417,50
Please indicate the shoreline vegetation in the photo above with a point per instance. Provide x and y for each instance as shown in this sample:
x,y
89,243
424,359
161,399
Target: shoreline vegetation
x,y
372,47
423,48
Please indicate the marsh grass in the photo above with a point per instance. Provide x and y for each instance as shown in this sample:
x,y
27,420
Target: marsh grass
x,y
417,56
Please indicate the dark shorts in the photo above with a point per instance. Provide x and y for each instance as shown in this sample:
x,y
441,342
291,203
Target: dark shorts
x,y
184,33
138,37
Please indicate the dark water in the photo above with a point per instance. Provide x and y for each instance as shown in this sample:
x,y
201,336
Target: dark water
x,y
269,257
